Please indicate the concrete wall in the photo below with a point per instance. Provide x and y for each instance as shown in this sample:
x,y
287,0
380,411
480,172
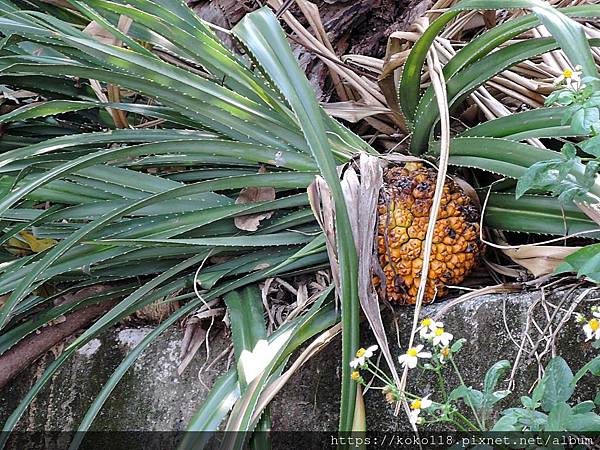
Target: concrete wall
x,y
153,397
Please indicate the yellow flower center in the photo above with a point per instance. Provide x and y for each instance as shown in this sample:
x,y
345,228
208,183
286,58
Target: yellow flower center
x,y
426,322
594,324
416,404
412,352
568,73
360,352
355,375
439,331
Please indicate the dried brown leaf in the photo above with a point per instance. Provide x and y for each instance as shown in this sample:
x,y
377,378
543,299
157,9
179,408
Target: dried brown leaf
x,y
359,424
368,92
15,96
363,208
250,222
354,111
361,196
99,33
365,62
197,334
539,259
311,12
323,208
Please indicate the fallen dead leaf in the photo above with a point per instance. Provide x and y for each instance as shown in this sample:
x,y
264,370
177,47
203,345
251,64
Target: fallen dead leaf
x,y
592,210
37,245
541,259
250,222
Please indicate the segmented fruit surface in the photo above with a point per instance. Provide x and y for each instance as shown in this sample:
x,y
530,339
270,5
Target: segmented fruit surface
x,y
404,206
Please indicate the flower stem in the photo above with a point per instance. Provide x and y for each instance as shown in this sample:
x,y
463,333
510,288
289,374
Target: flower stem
x,y
382,373
441,384
467,421
368,368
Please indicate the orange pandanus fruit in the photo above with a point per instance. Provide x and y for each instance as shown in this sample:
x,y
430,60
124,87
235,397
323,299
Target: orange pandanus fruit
x,y
404,207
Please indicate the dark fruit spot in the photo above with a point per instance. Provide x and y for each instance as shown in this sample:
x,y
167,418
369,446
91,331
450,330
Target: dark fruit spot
x,y
423,186
470,213
405,183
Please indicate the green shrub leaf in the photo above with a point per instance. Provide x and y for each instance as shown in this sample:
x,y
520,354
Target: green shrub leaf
x,y
555,386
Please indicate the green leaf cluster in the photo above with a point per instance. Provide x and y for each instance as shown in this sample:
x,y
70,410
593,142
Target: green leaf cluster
x,y
558,176
152,209
484,401
583,106
548,410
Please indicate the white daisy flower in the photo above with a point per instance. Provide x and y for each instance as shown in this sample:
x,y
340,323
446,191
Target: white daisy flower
x,y
416,406
428,327
570,77
592,329
362,355
412,355
441,337
445,354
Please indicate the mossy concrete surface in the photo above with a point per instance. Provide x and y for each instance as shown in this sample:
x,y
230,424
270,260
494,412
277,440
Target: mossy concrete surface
x,y
152,397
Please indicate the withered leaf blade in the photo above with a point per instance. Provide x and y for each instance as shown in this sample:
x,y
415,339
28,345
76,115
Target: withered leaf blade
x,y
360,184
354,111
592,210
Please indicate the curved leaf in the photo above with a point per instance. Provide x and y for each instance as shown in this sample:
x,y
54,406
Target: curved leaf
x,y
536,214
262,35
409,90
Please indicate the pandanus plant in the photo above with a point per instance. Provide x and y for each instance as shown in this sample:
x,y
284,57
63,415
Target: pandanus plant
x,y
161,163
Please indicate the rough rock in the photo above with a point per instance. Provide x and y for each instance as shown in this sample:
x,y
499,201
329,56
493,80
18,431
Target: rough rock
x,y
152,396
